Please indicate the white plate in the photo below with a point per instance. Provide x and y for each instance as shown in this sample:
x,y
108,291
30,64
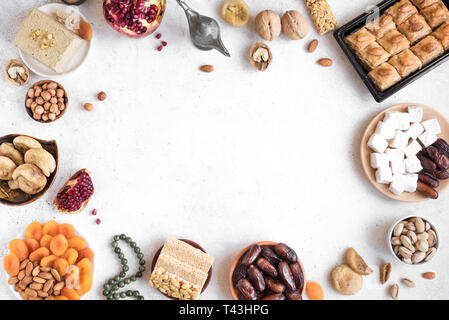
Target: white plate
x,y
77,60
23,236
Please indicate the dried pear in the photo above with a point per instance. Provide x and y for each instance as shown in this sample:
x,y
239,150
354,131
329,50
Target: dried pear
x,y
345,280
357,263
235,12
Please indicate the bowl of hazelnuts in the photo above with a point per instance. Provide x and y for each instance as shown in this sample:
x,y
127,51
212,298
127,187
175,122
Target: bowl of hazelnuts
x,y
46,101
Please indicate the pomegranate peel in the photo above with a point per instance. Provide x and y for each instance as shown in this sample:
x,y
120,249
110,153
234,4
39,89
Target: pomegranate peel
x,y
76,193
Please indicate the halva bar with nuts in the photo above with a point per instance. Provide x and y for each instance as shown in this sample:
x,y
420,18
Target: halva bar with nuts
x,y
322,15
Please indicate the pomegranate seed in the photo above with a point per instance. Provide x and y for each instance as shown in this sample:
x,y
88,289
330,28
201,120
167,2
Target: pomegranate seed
x,y
164,43
158,36
160,48
94,212
98,221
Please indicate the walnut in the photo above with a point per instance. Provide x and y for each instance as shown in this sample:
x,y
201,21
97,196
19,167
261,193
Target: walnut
x,y
294,25
260,56
268,25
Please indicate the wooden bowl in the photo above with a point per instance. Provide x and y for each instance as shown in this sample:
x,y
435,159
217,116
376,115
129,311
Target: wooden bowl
x,y
19,198
365,151
193,244
66,101
21,64
234,292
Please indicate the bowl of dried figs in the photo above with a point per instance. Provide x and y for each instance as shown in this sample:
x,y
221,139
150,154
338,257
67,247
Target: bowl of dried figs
x,y
46,101
413,240
267,270
28,168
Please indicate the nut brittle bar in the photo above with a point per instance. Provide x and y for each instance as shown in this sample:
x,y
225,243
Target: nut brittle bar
x,y
322,15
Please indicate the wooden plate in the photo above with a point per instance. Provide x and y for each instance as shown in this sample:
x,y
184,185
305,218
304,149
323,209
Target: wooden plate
x,y
21,198
193,244
234,292
365,151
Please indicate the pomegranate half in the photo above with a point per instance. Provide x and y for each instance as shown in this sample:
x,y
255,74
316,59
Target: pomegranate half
x,y
76,193
134,18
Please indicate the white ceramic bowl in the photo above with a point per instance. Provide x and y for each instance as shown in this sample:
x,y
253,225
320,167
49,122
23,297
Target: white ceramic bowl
x,y
23,236
78,59
390,234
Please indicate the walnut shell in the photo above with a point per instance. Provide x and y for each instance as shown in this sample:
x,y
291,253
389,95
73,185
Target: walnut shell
x,y
294,25
7,150
23,143
7,167
42,159
260,56
20,80
268,25
29,178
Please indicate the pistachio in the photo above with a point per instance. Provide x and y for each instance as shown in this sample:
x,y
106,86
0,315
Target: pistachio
x,y
418,256
385,271
397,231
422,245
409,283
406,242
394,291
422,236
412,236
432,239
419,225
430,254
410,226
395,241
405,253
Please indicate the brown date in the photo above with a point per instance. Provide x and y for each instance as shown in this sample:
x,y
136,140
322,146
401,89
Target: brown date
x,y
267,267
295,295
274,285
442,175
246,289
427,190
285,252
251,255
426,163
442,146
239,273
286,275
428,179
440,159
298,276
270,255
256,278
276,296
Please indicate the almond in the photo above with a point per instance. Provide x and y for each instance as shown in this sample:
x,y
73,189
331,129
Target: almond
x,y
407,62
406,8
376,51
385,72
429,275
397,39
438,13
325,62
312,45
385,20
363,37
207,68
416,27
430,47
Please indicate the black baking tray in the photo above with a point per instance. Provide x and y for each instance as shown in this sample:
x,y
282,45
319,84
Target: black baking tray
x,y
358,23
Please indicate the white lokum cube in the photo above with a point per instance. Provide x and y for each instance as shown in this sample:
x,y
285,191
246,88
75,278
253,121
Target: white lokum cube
x,y
412,149
404,121
427,138
411,182
415,130
413,165
378,160
377,143
398,167
384,175
432,126
415,113
386,129
397,186
400,140
394,154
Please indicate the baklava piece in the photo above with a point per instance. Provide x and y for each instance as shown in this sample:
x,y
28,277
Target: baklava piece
x,y
442,34
378,27
421,4
401,11
384,76
394,42
436,14
415,28
373,55
360,39
428,49
405,63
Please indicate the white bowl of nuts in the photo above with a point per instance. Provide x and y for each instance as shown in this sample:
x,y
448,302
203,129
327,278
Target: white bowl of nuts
x,y
413,240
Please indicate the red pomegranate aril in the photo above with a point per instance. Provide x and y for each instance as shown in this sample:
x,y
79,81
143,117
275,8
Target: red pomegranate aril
x,y
98,221
158,36
164,43
94,212
160,48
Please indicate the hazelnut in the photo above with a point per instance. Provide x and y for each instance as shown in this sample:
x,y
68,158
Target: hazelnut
x,y
260,56
88,106
268,25
294,25
102,96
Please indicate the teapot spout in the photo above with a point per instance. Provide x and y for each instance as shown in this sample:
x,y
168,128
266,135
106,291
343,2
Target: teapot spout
x,y
221,48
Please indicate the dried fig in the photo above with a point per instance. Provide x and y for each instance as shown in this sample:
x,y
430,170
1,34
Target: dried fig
x,y
268,25
345,280
76,193
23,143
7,150
356,262
29,178
7,167
260,56
42,159
235,12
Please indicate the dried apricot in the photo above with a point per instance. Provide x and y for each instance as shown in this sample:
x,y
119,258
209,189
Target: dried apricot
x,y
61,266
45,241
19,248
72,278
58,245
86,281
86,253
11,264
70,294
38,254
85,266
51,228
67,230
71,255
77,243
314,291
61,298
48,261
34,230
32,244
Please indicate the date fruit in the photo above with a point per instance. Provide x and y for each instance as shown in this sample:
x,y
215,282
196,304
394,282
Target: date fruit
x,y
428,179
239,273
298,276
251,255
276,296
246,289
426,163
286,275
267,267
442,146
294,295
285,252
427,190
274,285
256,278
440,159
270,255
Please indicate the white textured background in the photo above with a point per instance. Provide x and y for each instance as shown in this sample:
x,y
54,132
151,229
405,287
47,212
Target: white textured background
x,y
224,159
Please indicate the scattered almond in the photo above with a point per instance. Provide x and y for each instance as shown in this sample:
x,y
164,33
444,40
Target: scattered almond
x,y
325,62
207,68
88,106
312,46
429,275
